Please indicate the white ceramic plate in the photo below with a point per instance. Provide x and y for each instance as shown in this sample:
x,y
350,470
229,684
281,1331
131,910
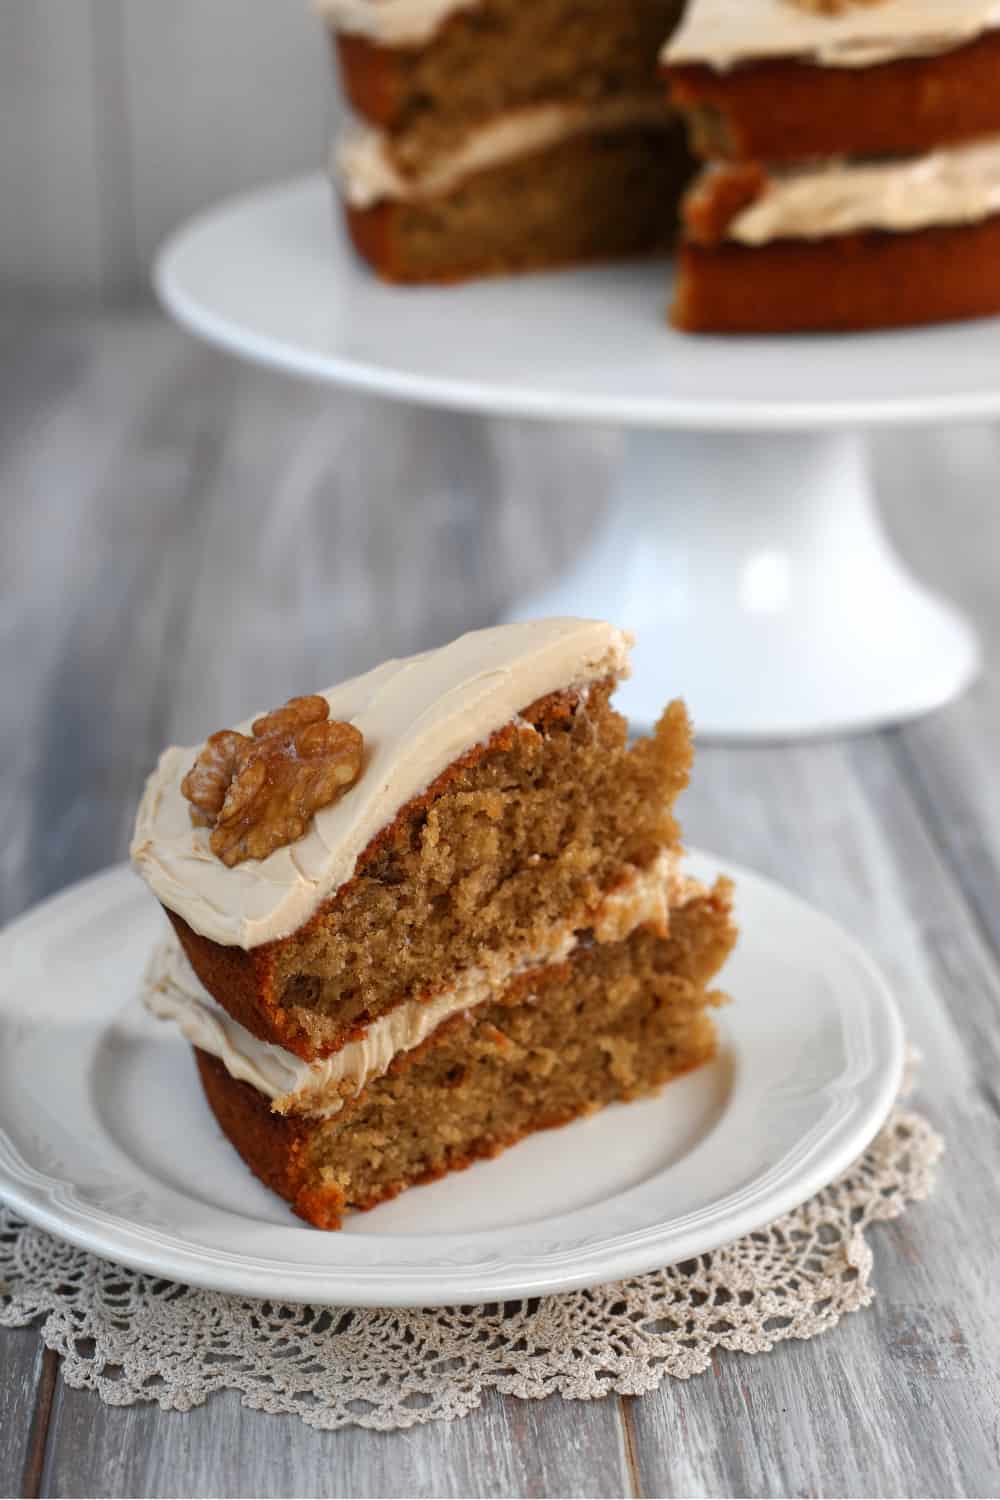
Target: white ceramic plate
x,y
271,277
106,1140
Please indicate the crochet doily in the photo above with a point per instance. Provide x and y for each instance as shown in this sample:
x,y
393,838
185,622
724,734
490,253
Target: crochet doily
x,y
131,1337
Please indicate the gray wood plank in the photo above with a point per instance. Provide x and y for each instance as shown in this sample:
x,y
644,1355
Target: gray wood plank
x,y
951,758
504,1448
233,537
902,1398
202,539
51,238
59,807
120,120
219,98
27,1378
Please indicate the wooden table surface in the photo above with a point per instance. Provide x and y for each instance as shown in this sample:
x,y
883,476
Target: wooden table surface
x,y
183,538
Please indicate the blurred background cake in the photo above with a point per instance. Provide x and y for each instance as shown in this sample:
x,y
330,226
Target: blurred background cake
x,y
853,173
501,136
852,151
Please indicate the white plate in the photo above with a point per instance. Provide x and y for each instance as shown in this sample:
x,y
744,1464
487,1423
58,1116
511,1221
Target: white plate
x,y
106,1140
271,277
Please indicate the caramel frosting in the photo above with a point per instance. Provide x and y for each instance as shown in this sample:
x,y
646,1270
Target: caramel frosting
x,y
391,23
725,33
173,992
369,170
956,185
417,715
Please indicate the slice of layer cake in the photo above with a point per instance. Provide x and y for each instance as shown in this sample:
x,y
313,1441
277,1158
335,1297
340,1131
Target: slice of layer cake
x,y
429,911
854,163
475,107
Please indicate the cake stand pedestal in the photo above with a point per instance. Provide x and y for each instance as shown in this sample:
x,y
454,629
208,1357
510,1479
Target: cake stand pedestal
x,y
742,544
755,571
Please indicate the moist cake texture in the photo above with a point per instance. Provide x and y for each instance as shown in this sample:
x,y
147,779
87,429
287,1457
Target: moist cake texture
x,y
614,1022
484,931
520,840
554,107
605,193
498,56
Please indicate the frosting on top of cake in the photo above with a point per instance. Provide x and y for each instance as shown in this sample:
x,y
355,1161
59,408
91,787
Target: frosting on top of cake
x,y
955,185
394,23
723,33
417,715
369,173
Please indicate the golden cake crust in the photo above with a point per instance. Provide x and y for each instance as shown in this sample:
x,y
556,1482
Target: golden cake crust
x,y
371,77
842,283
788,110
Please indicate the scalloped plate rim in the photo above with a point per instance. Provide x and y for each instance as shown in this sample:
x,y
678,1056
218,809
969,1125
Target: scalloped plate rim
x,y
495,1263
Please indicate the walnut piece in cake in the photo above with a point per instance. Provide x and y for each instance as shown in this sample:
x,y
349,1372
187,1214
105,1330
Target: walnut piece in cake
x,y
258,794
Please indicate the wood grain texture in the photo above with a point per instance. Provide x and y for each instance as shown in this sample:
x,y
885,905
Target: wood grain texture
x,y
505,1448
184,540
27,1379
49,168
123,117
218,97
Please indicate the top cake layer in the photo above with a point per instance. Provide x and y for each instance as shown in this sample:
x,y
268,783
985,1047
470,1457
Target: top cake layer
x,y
725,33
417,716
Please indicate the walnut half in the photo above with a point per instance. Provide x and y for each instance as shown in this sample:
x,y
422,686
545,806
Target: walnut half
x,y
259,794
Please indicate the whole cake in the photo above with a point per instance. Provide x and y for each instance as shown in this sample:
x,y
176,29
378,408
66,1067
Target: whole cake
x,y
429,911
852,148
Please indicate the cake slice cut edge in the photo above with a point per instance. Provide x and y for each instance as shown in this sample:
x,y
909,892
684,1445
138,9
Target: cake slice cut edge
x,y
614,1021
545,830
486,933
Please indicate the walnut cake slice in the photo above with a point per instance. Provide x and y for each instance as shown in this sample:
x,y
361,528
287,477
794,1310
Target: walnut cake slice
x,y
429,911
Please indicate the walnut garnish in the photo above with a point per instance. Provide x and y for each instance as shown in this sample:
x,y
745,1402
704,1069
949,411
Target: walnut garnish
x,y
259,794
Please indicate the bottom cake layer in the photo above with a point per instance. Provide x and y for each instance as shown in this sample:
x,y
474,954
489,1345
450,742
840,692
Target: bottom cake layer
x,y
844,283
615,1021
598,197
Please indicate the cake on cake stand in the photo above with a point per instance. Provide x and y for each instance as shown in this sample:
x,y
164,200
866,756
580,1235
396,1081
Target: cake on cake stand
x,y
743,542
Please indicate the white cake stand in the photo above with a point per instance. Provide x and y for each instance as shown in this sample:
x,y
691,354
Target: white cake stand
x,y
743,543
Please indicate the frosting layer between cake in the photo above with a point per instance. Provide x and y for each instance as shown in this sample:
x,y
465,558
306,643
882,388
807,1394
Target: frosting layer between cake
x,y
174,993
417,715
956,185
364,162
724,33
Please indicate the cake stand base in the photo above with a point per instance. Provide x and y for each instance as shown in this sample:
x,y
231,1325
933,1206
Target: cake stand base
x,y
762,588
